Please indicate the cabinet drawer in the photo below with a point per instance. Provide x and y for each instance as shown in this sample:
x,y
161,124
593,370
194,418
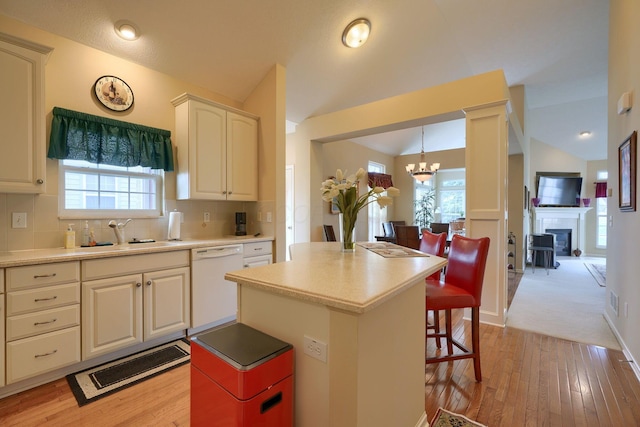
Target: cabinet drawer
x,y
257,261
32,356
42,298
121,266
26,325
31,276
257,248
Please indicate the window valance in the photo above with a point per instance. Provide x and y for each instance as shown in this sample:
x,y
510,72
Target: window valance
x,y
80,136
379,180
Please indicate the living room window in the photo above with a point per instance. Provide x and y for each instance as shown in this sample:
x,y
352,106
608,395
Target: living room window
x,y
601,214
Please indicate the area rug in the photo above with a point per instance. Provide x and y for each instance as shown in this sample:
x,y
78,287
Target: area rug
x,y
444,418
95,383
599,272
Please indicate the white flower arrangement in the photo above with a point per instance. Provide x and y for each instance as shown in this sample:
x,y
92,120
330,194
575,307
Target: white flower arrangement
x,y
343,191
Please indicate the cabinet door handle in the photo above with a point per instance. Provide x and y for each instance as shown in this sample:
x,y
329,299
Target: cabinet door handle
x,y
40,276
46,354
45,323
45,299
138,284
148,282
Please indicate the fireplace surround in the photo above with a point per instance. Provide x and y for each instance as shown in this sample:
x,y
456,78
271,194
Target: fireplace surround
x,y
545,218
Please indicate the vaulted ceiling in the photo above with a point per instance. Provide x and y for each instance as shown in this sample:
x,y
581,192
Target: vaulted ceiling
x,y
556,49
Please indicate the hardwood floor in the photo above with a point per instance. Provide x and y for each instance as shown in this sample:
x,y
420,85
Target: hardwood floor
x,y
528,380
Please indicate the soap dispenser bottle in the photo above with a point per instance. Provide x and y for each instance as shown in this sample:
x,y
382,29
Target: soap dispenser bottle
x,y
70,238
86,239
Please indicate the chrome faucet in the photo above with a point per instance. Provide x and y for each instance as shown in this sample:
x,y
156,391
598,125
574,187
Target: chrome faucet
x,y
118,229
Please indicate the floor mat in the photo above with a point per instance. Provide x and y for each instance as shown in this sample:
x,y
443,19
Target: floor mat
x,y
94,383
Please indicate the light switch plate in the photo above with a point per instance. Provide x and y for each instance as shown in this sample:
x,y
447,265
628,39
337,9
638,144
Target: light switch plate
x,y
19,220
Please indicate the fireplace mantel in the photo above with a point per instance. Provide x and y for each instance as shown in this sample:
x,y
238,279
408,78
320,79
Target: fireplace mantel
x,y
573,218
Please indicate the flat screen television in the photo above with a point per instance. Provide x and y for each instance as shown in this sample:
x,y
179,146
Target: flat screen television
x,y
559,191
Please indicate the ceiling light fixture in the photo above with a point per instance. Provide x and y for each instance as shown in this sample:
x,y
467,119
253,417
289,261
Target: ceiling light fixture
x,y
356,33
126,30
422,174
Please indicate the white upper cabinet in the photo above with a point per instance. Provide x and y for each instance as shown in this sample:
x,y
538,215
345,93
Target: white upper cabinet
x,y
22,117
217,151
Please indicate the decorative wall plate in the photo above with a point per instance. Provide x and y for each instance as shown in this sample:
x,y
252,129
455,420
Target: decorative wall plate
x,y
113,93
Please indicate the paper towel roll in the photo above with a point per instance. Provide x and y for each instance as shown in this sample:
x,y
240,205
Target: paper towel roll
x,y
174,225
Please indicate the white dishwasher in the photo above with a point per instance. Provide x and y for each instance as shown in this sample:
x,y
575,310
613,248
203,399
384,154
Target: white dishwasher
x,y
214,300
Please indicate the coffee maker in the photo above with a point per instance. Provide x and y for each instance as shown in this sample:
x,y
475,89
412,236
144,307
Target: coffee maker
x,y
241,223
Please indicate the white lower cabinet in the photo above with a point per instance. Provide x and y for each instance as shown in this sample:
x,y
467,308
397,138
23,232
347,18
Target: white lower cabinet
x,y
122,311
2,327
42,319
257,254
36,355
112,314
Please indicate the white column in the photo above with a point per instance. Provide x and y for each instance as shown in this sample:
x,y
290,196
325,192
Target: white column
x,y
486,188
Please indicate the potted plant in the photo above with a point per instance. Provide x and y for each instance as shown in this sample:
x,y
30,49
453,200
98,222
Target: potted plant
x,y
424,209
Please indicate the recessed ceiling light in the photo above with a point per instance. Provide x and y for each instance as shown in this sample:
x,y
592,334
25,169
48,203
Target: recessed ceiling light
x,y
126,30
356,33
585,133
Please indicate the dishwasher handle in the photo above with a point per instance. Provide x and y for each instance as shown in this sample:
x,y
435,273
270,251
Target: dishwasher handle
x,y
216,252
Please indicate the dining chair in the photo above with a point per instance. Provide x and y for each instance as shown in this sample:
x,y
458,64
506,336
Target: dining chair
x,y
434,244
457,226
408,236
461,288
439,227
329,234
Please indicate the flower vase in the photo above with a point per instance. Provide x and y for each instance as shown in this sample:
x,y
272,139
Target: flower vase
x,y
347,232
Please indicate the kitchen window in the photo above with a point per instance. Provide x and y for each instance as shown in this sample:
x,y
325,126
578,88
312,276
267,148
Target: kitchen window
x,y
91,190
108,168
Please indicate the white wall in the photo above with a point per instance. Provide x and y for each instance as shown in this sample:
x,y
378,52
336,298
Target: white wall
x,y
623,268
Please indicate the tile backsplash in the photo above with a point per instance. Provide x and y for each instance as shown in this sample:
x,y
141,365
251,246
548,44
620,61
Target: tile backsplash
x,y
45,230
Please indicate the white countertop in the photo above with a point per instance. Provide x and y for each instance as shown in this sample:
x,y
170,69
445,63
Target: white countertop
x,y
357,282
44,256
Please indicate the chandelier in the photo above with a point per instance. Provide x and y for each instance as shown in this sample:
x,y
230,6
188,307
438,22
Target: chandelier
x,y
422,174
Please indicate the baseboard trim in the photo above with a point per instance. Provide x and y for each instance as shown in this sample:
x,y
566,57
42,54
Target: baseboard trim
x,y
625,350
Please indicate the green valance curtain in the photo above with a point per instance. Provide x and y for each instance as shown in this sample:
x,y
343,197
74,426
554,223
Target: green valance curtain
x,y
80,136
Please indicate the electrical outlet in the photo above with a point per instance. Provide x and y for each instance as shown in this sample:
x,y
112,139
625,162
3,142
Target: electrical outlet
x,y
207,217
316,349
19,220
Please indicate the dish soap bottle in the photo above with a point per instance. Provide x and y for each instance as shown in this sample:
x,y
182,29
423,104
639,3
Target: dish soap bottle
x,y
69,238
85,240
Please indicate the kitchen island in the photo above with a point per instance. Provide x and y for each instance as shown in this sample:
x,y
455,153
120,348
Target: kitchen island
x,y
369,310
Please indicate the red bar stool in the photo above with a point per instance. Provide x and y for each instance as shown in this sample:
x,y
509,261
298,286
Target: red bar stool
x,y
461,288
434,244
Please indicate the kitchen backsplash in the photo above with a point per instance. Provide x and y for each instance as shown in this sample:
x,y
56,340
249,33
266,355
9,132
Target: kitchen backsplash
x,y
46,230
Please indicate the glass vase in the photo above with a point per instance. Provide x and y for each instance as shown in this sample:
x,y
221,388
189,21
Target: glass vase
x,y
347,232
